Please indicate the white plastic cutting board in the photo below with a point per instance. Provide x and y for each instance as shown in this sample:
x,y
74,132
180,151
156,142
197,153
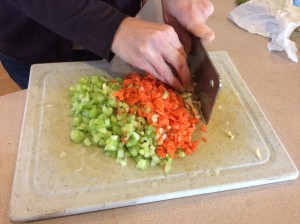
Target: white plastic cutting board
x,y
55,177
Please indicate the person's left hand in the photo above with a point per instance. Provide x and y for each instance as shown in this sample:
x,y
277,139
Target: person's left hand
x,y
189,16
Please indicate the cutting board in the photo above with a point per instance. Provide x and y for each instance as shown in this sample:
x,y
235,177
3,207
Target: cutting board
x,y
55,177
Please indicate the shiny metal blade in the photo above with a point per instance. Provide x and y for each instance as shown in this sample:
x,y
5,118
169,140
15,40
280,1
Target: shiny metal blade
x,y
206,79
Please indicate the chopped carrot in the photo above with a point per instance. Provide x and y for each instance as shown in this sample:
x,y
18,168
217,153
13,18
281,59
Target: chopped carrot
x,y
173,122
161,152
203,128
204,139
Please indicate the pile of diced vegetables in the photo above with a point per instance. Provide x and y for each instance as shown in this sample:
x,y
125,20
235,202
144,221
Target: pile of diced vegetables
x,y
134,117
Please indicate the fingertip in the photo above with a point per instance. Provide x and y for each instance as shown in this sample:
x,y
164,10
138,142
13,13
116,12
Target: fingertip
x,y
181,89
187,78
203,31
176,84
209,36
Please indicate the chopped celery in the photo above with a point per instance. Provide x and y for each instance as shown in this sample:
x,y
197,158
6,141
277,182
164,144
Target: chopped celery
x,y
181,154
134,150
82,127
101,120
109,147
155,160
77,136
122,162
76,121
142,164
87,142
165,95
167,167
132,142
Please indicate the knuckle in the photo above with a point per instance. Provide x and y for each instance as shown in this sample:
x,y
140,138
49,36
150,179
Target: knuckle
x,y
155,39
169,29
210,8
192,12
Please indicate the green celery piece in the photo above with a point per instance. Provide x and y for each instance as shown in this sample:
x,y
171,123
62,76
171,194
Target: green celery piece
x,y
132,142
165,95
142,164
82,127
127,129
136,136
96,139
93,112
110,147
155,160
181,154
107,122
87,142
134,150
101,98
76,121
77,136
120,154
94,79
142,152
108,111
122,162
167,167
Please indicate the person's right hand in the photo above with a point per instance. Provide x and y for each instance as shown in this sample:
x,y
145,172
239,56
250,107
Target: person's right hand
x,y
153,48
189,17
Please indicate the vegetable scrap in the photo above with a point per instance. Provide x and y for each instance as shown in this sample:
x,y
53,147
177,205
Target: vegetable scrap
x,y
229,134
257,154
137,117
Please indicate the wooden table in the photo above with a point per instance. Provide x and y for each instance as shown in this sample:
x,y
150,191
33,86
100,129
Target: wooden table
x,y
274,81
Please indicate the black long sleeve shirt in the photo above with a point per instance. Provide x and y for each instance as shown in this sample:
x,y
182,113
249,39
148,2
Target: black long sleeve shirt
x,y
42,31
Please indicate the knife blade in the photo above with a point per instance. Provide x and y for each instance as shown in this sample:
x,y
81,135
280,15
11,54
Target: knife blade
x,y
207,81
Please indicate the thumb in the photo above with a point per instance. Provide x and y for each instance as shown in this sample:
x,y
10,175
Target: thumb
x,y
199,29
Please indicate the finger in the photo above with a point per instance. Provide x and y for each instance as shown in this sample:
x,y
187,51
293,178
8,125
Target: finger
x,y
183,35
208,9
185,39
146,66
165,71
173,53
199,29
172,38
179,63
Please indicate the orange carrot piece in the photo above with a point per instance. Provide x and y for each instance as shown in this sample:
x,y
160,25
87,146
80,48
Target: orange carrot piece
x,y
203,128
204,139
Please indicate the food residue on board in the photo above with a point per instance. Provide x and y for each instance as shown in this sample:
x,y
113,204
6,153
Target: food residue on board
x,y
258,154
217,171
62,154
229,134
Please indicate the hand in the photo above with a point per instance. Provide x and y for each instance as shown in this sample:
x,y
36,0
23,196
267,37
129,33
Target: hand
x,y
154,48
189,16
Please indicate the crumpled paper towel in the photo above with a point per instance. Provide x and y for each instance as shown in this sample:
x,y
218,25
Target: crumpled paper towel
x,y
276,19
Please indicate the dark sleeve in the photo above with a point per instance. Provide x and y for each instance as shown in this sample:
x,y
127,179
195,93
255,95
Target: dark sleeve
x,y
89,23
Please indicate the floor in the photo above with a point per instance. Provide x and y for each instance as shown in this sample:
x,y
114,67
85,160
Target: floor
x,y
6,84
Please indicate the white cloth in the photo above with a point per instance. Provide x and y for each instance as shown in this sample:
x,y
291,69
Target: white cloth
x,y
276,19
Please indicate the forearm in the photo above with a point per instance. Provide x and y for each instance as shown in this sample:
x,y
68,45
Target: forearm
x,y
90,23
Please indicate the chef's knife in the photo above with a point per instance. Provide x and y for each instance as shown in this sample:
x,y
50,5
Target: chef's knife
x,y
206,79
